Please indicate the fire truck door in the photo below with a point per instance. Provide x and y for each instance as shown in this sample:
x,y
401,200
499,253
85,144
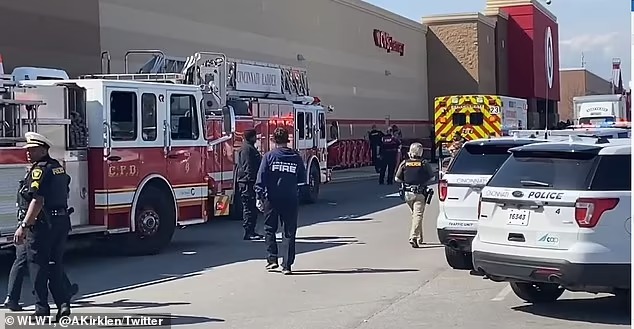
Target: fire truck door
x,y
185,146
321,133
121,134
304,130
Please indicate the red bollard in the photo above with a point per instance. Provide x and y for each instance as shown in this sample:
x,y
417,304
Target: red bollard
x,y
367,159
354,151
334,155
345,152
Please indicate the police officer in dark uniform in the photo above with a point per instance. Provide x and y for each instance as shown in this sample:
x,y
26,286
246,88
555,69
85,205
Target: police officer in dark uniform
x,y
374,137
20,267
281,170
249,159
414,174
46,224
390,146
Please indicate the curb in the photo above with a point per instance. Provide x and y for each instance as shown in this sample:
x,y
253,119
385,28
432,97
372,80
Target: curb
x,y
353,179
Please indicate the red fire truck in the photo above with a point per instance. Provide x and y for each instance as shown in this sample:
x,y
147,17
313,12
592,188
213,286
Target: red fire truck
x,y
149,152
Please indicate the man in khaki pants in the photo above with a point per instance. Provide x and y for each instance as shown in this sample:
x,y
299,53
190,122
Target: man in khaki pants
x,y
414,173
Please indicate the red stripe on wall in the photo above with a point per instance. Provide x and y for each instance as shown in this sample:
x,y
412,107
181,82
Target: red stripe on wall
x,y
380,121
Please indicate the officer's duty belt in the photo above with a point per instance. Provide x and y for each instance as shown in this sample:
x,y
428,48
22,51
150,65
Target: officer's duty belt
x,y
56,212
416,189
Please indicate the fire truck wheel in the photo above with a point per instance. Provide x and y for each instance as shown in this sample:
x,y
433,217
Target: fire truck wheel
x,y
310,193
155,222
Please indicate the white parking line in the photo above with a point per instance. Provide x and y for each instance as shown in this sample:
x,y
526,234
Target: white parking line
x,y
502,294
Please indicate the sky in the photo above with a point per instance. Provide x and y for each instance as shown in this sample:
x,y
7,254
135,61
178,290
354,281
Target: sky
x,y
600,29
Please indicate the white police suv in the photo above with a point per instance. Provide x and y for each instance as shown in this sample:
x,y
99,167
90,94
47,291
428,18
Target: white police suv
x,y
557,216
459,193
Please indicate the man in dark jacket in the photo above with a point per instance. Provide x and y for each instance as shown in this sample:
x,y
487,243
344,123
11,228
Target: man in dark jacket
x,y
282,169
249,159
374,137
390,146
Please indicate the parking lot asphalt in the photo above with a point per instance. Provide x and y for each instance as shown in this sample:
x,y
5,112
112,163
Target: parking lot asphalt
x,y
354,269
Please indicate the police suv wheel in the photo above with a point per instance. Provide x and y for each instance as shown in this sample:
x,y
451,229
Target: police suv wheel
x,y
458,260
155,223
535,293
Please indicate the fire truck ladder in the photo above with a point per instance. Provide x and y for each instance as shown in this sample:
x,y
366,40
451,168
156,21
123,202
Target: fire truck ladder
x,y
16,116
204,68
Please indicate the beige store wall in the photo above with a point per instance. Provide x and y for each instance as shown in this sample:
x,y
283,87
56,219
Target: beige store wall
x,y
59,34
335,37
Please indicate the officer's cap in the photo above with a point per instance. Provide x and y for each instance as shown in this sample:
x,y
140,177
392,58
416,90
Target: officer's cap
x,y
36,140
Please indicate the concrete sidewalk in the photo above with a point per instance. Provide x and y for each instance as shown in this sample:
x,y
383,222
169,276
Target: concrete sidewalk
x,y
359,174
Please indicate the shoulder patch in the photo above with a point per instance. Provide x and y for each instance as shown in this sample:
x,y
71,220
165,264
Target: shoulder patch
x,y
58,171
36,174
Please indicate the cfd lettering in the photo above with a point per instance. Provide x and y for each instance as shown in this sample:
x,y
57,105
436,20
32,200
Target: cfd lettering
x,y
384,40
546,195
288,167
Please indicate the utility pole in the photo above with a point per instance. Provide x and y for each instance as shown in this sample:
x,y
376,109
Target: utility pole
x,y
583,60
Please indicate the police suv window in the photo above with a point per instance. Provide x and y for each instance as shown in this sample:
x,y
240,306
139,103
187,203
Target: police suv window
x,y
459,119
148,117
613,173
562,171
123,115
300,125
183,117
476,159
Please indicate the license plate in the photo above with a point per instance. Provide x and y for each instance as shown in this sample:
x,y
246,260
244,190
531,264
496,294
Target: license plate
x,y
518,217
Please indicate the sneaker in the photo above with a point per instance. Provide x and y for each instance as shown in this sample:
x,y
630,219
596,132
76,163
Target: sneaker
x,y
63,311
287,271
413,243
252,237
12,305
271,266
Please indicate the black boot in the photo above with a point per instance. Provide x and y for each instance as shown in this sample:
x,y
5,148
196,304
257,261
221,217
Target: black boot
x,y
12,305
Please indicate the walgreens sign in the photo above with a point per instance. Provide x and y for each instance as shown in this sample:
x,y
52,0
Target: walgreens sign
x,y
384,40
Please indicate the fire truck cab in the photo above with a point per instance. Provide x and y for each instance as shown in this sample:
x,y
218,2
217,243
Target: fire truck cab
x,y
141,149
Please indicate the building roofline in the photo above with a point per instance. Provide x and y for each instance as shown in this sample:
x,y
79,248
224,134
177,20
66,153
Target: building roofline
x,y
496,12
493,4
461,17
583,69
384,14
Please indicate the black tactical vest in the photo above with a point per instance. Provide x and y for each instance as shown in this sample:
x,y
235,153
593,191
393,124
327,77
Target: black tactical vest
x,y
415,172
